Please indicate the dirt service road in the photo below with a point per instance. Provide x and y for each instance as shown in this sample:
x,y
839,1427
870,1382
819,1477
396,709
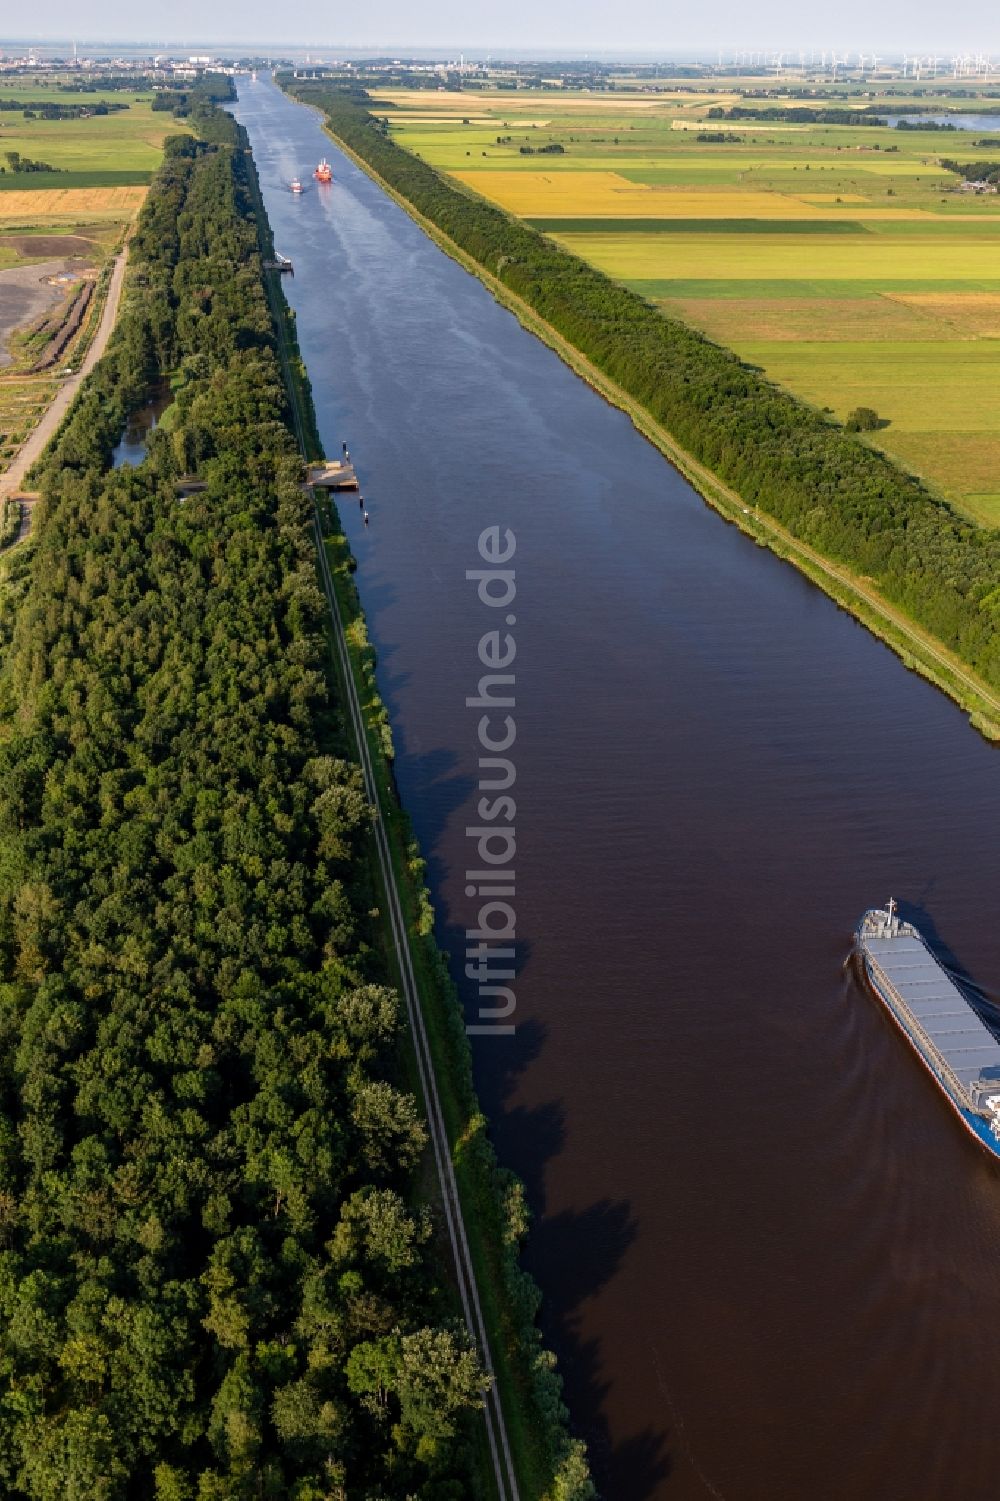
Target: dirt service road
x,y
38,439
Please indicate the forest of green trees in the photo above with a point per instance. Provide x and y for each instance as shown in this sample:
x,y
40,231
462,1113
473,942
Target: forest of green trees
x,y
974,171
825,485
797,114
217,1279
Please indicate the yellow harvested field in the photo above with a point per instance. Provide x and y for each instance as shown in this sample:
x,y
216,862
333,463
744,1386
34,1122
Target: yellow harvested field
x,y
592,194
969,314
752,257
511,104
78,204
834,198
556,194
427,118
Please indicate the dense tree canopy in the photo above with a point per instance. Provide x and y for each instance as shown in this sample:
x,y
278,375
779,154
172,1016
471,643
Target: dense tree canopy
x,y
974,171
215,1277
798,114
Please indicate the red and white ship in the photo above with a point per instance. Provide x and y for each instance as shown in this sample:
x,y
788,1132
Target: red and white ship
x,y
324,172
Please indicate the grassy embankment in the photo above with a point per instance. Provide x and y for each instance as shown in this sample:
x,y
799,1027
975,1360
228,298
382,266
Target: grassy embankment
x,y
858,589
550,1465
840,260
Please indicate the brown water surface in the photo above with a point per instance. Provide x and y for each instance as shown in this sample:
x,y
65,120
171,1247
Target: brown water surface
x,y
770,1257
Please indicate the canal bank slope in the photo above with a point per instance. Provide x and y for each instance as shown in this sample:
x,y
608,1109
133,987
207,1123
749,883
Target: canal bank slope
x,y
919,577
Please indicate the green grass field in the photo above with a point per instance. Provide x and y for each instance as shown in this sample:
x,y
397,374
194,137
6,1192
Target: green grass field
x,y
635,257
842,261
102,162
15,182
125,141
46,87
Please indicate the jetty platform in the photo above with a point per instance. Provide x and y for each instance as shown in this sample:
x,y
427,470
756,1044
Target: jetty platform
x,y
339,475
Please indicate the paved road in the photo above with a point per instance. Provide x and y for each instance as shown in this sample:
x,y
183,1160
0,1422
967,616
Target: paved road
x,y
37,440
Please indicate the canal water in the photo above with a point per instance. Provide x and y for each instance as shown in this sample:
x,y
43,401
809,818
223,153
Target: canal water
x,y
769,1254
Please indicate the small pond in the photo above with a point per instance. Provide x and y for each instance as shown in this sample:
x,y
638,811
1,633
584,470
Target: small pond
x,y
144,420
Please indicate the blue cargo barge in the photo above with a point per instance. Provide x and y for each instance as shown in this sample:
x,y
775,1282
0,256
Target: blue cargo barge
x,y
957,1049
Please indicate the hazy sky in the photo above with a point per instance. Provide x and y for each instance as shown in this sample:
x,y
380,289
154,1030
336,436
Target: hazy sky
x,y
570,26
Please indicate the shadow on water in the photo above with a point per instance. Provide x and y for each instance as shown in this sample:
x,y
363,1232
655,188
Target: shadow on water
x,y
589,1247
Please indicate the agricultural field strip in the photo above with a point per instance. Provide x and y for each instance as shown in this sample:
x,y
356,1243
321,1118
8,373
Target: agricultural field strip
x,y
75,205
921,271
742,257
131,138
24,245
899,316
588,194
